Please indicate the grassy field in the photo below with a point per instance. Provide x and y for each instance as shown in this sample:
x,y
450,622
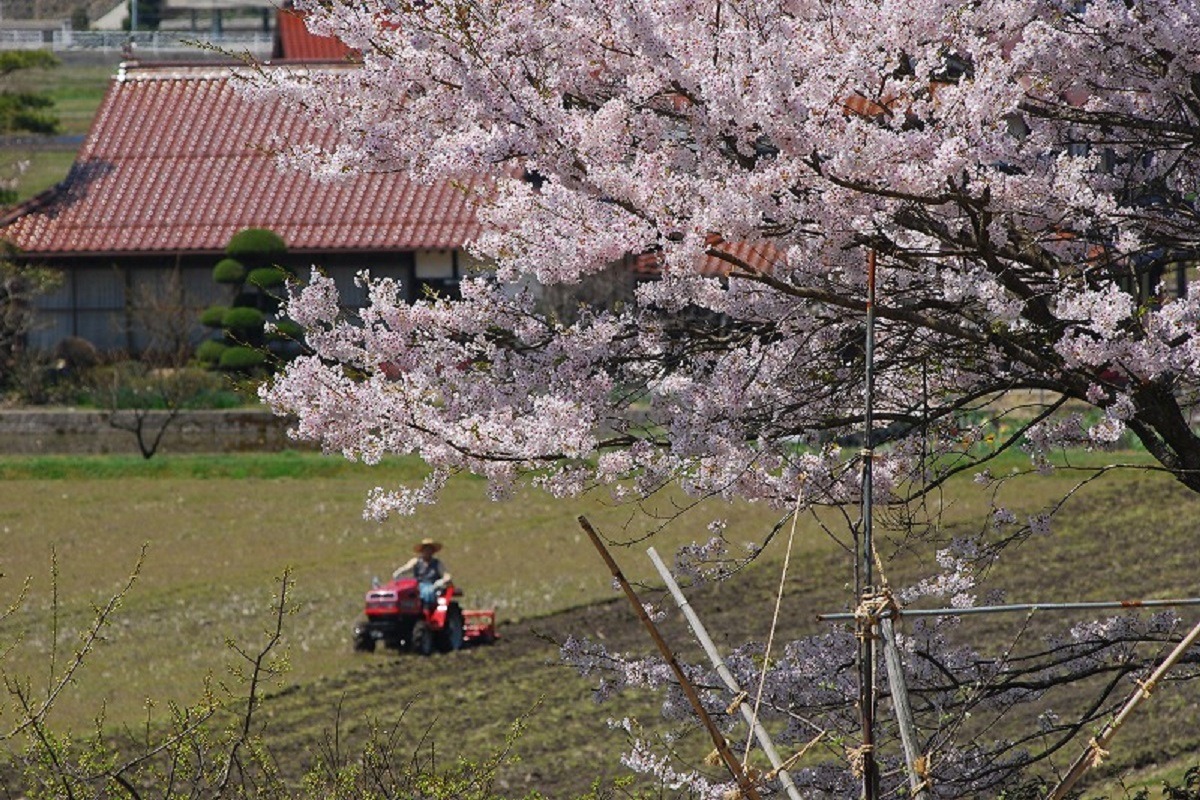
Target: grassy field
x,y
217,536
76,91
219,531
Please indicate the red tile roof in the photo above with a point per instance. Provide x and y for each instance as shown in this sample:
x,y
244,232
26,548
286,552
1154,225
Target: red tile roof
x,y
294,41
174,163
758,256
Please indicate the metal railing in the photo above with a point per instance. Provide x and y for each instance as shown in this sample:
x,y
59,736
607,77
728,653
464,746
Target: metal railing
x,y
143,42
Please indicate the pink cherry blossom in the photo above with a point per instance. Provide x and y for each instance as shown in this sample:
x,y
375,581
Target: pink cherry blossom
x,y
1024,171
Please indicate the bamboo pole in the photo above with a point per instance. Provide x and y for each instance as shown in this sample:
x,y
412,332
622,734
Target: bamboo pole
x,y
904,718
735,767
1095,750
760,733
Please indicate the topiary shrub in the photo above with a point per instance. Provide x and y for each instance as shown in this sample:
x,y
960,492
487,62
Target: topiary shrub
x,y
242,318
210,351
252,271
287,330
241,358
266,277
211,317
229,270
258,244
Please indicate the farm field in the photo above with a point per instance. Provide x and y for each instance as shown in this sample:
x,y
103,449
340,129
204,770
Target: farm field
x,y
219,532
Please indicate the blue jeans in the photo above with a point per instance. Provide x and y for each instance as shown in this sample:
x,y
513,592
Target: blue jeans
x,y
428,593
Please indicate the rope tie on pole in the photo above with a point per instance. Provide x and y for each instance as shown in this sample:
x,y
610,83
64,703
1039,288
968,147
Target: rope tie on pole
x,y
753,778
923,768
1147,687
858,757
794,757
1096,754
873,606
736,702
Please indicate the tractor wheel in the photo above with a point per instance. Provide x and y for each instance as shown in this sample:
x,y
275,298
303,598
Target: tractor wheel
x,y
422,638
451,637
363,642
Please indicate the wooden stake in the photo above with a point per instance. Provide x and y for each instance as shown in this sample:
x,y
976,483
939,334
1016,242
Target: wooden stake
x,y
866,579
734,766
1022,607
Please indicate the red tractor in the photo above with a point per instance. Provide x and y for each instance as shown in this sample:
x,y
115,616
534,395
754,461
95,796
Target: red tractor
x,y
397,618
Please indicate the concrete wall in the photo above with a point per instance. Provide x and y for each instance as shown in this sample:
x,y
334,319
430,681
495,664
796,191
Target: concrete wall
x,y
69,431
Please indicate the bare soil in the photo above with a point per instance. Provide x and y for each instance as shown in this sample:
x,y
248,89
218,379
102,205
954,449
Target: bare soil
x,y
463,704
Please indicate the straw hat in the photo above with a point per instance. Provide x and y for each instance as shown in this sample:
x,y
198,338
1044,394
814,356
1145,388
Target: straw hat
x,y
417,548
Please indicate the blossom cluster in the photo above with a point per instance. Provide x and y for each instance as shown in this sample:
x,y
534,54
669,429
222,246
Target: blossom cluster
x,y
971,147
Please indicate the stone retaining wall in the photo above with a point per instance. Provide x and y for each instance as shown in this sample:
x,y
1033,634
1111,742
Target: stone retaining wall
x,y
68,431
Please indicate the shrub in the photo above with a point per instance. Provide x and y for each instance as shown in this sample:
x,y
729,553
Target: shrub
x,y
251,272
255,242
76,354
209,351
287,330
266,277
241,358
241,318
211,317
229,270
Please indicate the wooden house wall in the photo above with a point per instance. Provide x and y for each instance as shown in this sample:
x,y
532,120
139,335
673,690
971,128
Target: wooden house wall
x,y
104,300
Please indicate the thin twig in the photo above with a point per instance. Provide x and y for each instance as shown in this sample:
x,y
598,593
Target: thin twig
x,y
35,715
259,669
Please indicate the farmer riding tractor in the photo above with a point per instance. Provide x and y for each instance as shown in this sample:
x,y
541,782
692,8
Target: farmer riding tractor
x,y
419,609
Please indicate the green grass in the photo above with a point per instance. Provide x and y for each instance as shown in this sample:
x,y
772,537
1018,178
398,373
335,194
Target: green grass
x,y
295,465
77,92
220,530
75,89
46,168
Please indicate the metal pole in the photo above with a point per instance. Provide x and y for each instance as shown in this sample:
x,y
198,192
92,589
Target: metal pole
x,y
1026,607
866,589
731,762
760,733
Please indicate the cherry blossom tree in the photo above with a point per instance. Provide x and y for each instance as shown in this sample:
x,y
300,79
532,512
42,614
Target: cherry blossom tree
x,y
1022,172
